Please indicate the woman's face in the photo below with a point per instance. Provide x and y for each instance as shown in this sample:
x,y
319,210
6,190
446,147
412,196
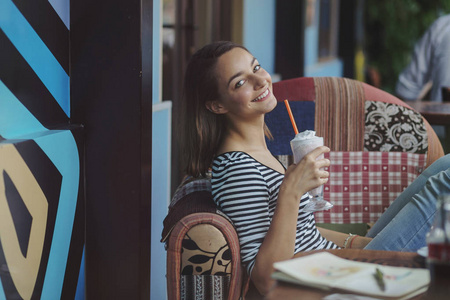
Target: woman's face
x,y
245,88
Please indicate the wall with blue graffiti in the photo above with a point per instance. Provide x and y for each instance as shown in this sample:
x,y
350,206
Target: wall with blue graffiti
x,y
41,156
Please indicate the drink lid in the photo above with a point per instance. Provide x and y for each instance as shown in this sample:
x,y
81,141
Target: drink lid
x,y
306,135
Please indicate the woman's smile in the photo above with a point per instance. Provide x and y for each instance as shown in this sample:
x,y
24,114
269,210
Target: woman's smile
x,y
262,97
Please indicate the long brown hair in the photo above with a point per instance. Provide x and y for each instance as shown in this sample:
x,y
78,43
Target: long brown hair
x,y
201,130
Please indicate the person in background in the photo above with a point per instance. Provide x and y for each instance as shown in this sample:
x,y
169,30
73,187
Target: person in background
x,y
430,64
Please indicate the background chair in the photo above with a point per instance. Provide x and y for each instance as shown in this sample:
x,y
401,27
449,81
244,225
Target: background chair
x,y
364,127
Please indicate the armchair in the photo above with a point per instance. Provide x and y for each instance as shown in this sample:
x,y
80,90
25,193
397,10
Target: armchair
x,y
364,127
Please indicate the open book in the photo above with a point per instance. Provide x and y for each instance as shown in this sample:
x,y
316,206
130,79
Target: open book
x,y
327,271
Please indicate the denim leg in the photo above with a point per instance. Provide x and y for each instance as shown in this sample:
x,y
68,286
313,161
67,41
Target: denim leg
x,y
405,197
405,223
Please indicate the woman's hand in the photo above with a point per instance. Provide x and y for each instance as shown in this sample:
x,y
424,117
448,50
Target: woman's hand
x,y
307,174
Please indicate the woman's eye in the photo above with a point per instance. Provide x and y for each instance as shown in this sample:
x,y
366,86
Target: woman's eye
x,y
256,68
239,83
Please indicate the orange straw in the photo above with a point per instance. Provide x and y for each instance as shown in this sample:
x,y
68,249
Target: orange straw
x,y
291,116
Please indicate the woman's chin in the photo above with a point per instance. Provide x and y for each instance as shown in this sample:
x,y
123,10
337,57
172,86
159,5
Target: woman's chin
x,y
272,103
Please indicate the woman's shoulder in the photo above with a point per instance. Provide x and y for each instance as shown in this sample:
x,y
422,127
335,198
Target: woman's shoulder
x,y
232,156
233,160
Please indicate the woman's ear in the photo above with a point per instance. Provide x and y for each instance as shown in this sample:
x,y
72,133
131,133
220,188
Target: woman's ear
x,y
215,107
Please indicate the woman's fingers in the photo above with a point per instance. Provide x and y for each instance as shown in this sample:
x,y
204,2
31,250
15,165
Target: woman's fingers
x,y
310,172
316,157
323,174
319,151
322,163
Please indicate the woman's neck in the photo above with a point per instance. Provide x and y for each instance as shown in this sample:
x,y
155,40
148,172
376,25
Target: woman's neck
x,y
244,136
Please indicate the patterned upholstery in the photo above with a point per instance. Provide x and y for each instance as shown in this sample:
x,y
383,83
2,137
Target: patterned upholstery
x,y
204,287
392,127
435,149
349,115
374,137
363,184
357,121
203,255
339,114
205,264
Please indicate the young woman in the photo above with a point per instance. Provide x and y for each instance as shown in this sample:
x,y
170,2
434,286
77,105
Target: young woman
x,y
226,95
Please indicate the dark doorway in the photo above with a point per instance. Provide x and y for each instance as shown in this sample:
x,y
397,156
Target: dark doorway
x,y
187,26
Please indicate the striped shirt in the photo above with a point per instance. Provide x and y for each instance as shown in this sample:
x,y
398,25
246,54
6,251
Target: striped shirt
x,y
247,191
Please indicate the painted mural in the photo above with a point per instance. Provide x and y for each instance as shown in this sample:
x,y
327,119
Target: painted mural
x,y
41,156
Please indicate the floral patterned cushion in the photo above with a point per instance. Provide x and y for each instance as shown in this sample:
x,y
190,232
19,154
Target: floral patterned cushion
x,y
391,127
205,264
202,256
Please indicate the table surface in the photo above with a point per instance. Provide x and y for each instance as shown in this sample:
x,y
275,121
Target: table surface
x,y
436,113
288,291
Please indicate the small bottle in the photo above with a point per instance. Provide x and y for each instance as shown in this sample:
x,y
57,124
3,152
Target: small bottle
x,y
438,241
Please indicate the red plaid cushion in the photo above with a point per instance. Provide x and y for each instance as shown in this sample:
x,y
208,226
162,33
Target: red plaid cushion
x,y
362,185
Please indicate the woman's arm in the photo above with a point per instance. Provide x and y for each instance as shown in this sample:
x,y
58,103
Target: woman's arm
x,y
356,241
279,242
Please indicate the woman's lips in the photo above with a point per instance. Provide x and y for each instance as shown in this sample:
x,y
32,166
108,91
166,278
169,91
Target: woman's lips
x,y
262,96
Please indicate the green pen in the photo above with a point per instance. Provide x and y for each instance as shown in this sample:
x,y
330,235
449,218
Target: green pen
x,y
380,279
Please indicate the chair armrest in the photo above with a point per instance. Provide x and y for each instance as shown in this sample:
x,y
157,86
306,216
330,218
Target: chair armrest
x,y
195,231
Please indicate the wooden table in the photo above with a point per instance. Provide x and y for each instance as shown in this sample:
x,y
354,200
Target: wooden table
x,y
436,113
288,291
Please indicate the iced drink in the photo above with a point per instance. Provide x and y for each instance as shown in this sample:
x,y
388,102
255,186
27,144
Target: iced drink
x,y
302,144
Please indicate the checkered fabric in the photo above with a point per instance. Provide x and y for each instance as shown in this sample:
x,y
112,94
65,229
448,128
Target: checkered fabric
x,y
189,186
362,185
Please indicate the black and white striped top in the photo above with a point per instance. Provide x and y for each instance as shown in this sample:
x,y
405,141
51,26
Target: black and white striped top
x,y
247,191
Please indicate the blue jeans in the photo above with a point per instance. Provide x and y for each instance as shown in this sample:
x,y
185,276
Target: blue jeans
x,y
404,225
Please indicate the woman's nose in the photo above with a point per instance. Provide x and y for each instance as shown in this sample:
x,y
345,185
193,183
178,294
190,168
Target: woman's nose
x,y
260,81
